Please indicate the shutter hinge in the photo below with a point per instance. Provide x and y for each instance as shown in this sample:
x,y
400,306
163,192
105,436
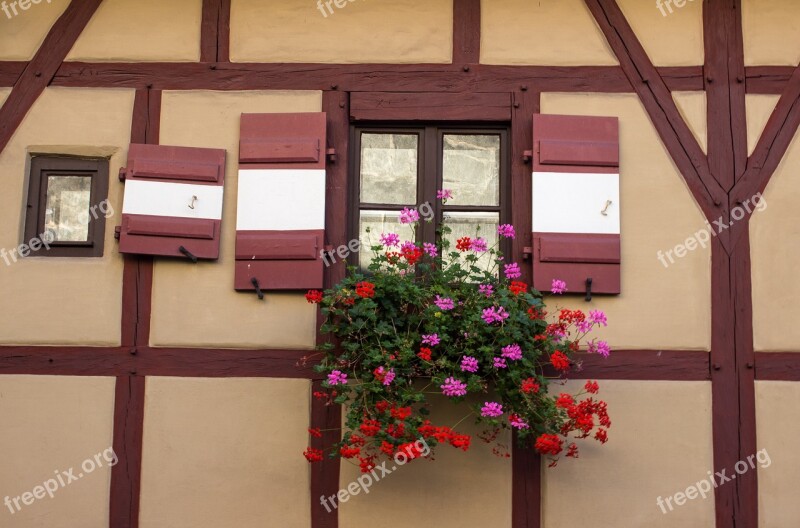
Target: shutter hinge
x,y
331,153
527,251
123,172
527,155
117,232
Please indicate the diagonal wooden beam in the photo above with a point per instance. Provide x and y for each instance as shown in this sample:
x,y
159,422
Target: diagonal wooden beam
x,y
663,112
44,65
725,90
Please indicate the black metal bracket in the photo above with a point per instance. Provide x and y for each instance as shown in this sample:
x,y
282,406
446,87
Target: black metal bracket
x,y
589,289
254,282
188,254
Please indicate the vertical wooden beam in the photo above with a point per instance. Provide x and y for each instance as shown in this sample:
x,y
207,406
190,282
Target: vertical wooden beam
x,y
137,283
466,31
725,90
325,474
526,486
215,31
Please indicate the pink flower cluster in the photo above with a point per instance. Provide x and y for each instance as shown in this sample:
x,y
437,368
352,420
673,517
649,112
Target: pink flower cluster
x,y
491,409
469,364
506,230
494,315
337,377
453,387
444,303
390,239
512,352
430,339
409,216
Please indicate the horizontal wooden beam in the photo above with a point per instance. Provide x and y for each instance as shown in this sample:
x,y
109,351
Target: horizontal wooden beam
x,y
777,366
665,365
426,106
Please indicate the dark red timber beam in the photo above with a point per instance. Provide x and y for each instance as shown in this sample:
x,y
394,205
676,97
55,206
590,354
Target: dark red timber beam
x,y
137,283
777,366
466,32
526,477
215,31
40,70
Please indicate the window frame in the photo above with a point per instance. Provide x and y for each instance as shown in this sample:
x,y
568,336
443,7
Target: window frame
x,y
41,167
429,161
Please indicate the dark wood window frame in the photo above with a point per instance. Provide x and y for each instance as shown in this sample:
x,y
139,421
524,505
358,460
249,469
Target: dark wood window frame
x,y
430,162
43,166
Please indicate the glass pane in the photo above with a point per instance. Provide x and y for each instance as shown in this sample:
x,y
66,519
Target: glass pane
x,y
379,222
389,168
67,208
471,169
474,225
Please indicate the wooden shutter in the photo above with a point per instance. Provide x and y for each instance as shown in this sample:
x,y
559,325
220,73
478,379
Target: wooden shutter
x,y
173,201
576,209
280,227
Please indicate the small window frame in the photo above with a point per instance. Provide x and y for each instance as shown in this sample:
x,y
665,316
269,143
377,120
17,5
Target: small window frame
x,y
43,166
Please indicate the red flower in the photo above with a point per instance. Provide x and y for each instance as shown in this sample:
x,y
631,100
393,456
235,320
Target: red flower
x,y
314,296
411,449
591,387
381,406
463,244
370,427
367,464
313,455
315,432
517,287
460,441
349,452
572,451
321,395
601,436
412,255
349,301
387,448
564,401
393,257
559,360
365,290
401,413
534,313
530,386
549,444
356,440
425,353
571,316
397,431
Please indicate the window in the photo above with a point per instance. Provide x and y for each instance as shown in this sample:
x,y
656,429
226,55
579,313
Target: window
x,y
67,207
400,167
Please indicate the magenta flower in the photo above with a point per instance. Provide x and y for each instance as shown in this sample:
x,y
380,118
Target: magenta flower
x,y
389,377
512,270
598,317
517,422
512,352
583,326
558,286
599,347
506,230
430,339
469,364
491,409
444,194
337,377
444,303
479,245
486,289
390,239
499,363
409,216
453,387
494,315
430,249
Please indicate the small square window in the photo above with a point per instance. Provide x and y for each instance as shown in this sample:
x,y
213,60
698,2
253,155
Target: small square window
x,y
67,206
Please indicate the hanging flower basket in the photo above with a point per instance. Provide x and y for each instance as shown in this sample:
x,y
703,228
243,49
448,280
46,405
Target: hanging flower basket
x,y
451,321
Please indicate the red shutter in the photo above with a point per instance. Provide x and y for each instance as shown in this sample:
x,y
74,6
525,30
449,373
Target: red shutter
x,y
281,202
576,235
173,201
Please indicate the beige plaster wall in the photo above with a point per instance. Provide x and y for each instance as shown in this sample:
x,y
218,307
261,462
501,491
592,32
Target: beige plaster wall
x,y
693,108
660,443
52,424
195,304
759,107
670,38
23,33
64,300
660,307
144,30
771,27
225,452
400,31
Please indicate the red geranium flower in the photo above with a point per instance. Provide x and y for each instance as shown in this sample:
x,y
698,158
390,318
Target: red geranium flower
x,y
518,287
572,451
564,401
314,296
460,441
463,244
370,427
559,360
365,290
401,413
530,386
349,452
425,353
601,436
412,255
549,444
315,432
591,387
313,455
